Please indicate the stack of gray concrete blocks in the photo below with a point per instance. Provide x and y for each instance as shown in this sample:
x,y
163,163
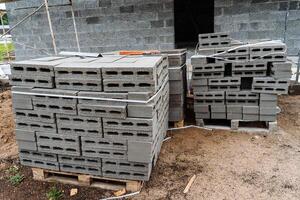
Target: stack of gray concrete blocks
x,y
238,80
103,116
177,82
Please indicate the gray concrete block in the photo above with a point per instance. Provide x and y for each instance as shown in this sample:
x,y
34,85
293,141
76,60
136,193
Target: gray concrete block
x,y
115,134
232,51
81,169
268,97
21,101
209,102
234,116
79,84
202,115
176,57
233,88
120,165
200,89
250,109
213,43
84,97
250,66
263,103
273,126
176,73
268,118
25,135
210,75
27,145
242,95
104,153
79,70
200,82
206,52
102,143
79,125
40,164
211,67
237,58
140,111
266,49
218,108
176,87
200,122
281,67
121,174
58,144
234,109
270,85
34,116
29,68
42,106
235,124
251,117
139,151
224,82
117,85
137,124
82,161
214,95
33,81
281,75
201,108
275,57
113,111
268,110
34,155
218,115
249,73
28,125
207,37
55,100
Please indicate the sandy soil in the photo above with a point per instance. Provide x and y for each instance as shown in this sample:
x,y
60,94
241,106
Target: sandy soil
x,y
227,165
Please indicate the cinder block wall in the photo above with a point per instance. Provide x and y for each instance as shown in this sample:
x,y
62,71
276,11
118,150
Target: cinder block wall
x,y
103,25
259,19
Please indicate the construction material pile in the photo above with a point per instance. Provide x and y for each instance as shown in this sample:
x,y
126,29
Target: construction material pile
x,y
238,81
101,116
177,82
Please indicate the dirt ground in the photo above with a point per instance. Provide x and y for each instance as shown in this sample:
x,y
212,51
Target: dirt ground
x,y
227,165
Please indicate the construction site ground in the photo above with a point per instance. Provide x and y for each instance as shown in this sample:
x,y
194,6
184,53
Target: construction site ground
x,y
227,165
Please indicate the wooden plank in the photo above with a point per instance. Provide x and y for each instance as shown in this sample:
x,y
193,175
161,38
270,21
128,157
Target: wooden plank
x,y
179,124
85,180
188,186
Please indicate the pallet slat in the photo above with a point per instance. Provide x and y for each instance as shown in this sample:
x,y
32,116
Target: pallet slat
x,y
85,180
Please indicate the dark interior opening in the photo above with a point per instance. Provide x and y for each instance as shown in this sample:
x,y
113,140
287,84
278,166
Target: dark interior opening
x,y
192,17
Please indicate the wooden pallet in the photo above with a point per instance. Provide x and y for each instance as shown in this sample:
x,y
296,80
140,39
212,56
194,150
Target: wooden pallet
x,y
238,125
86,180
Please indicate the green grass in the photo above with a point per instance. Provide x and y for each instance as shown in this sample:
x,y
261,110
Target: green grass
x,y
54,194
3,54
16,179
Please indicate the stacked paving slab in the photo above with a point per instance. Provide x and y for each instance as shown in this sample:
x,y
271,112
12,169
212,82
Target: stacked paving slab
x,y
238,81
177,82
99,116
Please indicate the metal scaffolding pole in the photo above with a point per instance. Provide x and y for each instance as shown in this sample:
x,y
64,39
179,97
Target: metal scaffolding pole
x,y
75,26
51,28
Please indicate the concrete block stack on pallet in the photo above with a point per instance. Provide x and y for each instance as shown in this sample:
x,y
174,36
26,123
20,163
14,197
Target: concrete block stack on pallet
x,y
238,81
100,116
178,83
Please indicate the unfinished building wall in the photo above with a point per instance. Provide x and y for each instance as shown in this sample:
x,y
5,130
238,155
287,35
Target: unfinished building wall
x,y
260,19
103,25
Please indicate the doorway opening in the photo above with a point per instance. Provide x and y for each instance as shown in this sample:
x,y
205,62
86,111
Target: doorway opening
x,y
192,17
